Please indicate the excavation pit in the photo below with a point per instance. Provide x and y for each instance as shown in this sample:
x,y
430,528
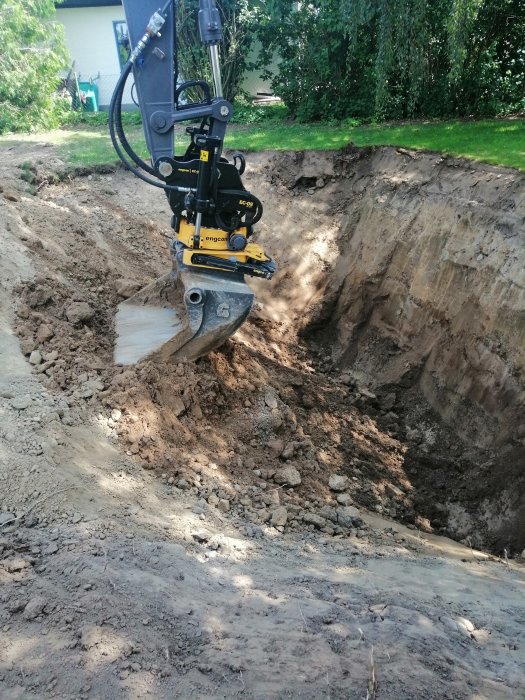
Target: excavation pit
x,y
389,349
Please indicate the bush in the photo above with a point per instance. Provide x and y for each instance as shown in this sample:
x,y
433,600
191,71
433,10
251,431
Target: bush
x,y
32,56
397,59
244,112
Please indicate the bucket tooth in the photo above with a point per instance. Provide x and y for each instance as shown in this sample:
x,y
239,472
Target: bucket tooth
x,y
181,316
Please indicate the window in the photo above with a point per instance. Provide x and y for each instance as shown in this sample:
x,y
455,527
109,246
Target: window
x,y
122,39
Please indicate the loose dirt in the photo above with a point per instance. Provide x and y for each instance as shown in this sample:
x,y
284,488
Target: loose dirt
x,y
217,529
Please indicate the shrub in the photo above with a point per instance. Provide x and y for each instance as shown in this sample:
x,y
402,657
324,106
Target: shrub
x,y
31,58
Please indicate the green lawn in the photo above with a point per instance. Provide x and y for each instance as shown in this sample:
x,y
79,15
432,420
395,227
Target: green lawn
x,y
500,142
492,141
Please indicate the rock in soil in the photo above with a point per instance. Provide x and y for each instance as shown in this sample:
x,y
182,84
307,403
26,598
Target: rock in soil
x,y
313,519
348,516
279,517
34,608
336,482
79,312
287,475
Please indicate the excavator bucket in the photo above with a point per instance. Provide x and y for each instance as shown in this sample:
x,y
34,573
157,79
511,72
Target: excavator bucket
x,y
181,316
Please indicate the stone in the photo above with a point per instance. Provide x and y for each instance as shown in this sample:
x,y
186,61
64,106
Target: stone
x,y
44,333
223,505
16,564
34,608
395,490
27,345
366,392
329,513
275,446
213,499
287,475
182,484
308,401
16,606
465,626
21,402
200,507
116,414
344,499
126,288
90,388
40,297
289,451
313,519
338,482
35,358
348,516
177,406
279,517
271,498
79,312
270,399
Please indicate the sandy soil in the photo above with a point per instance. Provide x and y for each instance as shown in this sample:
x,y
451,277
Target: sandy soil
x,y
151,544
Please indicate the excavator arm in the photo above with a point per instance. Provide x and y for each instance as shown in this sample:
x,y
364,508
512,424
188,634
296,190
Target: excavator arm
x,y
204,299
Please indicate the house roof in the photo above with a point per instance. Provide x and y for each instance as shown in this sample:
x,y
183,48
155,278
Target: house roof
x,y
85,3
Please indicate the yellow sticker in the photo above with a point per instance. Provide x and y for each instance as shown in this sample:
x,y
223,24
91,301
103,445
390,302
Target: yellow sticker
x,y
204,156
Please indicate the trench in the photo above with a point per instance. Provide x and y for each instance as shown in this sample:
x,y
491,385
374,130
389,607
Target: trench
x,y
388,349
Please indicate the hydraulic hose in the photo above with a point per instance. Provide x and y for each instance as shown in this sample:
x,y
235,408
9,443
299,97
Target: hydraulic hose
x,y
118,138
115,111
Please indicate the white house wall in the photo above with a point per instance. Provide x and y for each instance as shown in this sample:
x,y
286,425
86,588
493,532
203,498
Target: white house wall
x,y
91,42
90,39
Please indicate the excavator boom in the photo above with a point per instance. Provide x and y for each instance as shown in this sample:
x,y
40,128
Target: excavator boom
x,y
204,299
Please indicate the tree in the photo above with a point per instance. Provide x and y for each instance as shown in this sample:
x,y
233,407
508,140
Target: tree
x,y
31,57
490,74
315,76
238,24
394,59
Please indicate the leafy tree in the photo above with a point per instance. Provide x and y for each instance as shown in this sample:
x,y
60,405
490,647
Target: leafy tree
x,y
315,76
396,58
490,75
237,21
31,56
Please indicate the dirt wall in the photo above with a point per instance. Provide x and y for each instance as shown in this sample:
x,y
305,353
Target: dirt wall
x,y
429,283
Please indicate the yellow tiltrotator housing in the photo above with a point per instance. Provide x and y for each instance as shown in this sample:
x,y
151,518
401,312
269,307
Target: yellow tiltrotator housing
x,y
214,242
